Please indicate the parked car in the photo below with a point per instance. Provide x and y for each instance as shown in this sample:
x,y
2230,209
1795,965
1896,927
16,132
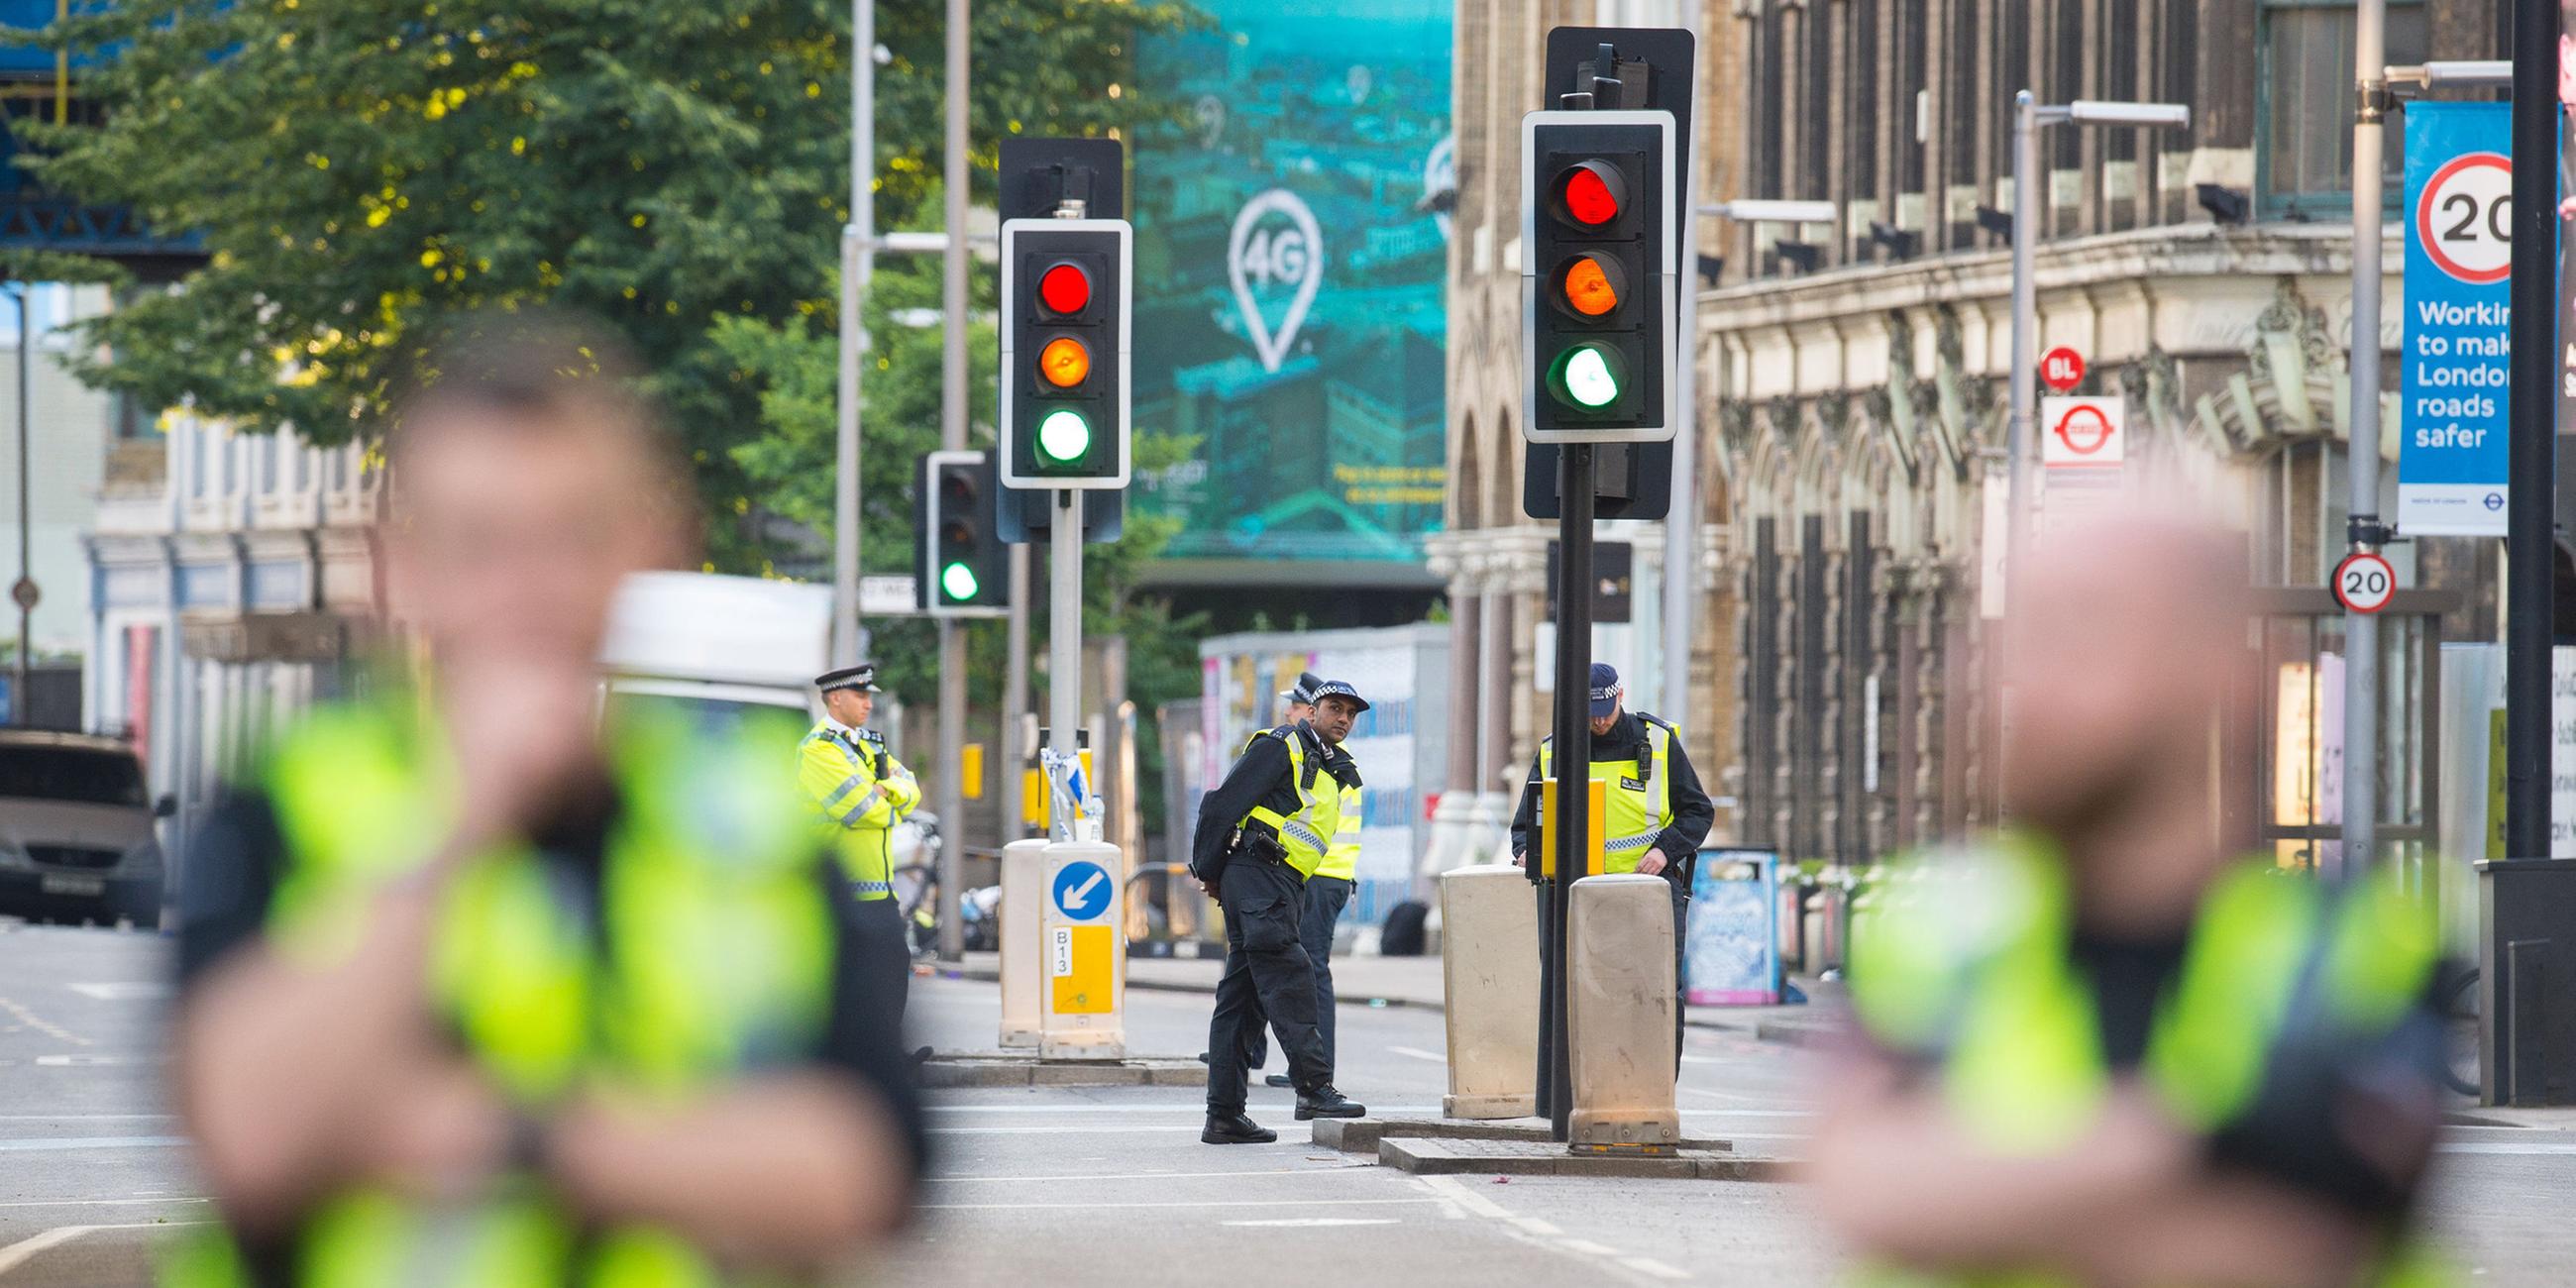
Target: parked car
x,y
76,830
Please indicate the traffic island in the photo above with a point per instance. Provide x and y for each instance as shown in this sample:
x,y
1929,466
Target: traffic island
x,y
1461,1156
1367,1135
952,1069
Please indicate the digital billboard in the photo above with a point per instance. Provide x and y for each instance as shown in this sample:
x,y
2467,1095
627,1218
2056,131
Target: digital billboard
x,y
1294,230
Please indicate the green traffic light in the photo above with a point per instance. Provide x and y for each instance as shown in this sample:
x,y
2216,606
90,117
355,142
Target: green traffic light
x,y
958,582
1587,377
1064,436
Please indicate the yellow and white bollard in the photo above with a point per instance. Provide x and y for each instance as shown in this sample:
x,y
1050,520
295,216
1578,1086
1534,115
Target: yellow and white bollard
x,y
1490,994
1619,1002
1023,889
1083,951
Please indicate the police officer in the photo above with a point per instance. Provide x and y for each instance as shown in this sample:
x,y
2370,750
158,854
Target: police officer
x,y
1657,816
2102,1048
1261,834
1327,893
863,791
480,986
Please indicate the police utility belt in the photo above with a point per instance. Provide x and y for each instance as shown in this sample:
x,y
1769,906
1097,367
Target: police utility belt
x,y
1255,843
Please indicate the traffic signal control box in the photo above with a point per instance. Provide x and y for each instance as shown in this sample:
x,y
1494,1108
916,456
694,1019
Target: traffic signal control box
x,y
962,570
1598,277
1066,308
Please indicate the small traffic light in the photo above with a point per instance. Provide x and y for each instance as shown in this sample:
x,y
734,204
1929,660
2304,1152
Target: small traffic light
x,y
961,572
1065,316
1598,276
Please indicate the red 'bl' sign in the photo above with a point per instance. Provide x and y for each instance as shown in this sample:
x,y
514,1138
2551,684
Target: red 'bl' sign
x,y
2061,369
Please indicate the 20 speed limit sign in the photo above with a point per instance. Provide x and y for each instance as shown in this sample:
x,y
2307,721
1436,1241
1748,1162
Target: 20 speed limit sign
x,y
2364,582
2464,218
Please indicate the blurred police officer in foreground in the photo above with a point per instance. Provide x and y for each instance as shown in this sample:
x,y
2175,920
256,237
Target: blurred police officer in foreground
x,y
1657,816
1261,834
2102,1048
477,991
844,767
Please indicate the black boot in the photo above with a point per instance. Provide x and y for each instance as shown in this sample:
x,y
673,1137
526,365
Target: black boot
x,y
1235,1129
1278,1080
1324,1102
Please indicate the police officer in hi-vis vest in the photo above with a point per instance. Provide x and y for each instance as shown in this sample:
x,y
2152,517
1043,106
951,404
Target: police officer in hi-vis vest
x,y
1657,817
863,791
481,984
1327,892
2108,1046
1262,833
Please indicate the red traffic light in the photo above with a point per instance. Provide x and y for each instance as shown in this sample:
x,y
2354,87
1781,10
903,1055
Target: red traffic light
x,y
1591,193
1065,289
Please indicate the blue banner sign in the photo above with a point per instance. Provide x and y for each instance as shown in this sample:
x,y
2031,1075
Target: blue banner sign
x,y
2451,464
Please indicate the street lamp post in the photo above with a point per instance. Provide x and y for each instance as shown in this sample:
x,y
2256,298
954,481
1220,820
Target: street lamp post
x,y
25,591
2029,116
858,261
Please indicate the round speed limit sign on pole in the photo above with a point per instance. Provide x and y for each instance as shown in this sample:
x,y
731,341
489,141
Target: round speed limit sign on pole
x,y
2364,582
2463,219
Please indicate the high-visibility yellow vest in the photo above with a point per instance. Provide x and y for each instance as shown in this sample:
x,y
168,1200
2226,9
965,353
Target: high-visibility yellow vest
x,y
1342,857
1308,833
720,965
861,805
1963,961
1638,796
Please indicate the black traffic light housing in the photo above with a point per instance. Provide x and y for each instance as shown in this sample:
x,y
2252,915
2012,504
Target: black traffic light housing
x,y
1598,276
1066,311
963,567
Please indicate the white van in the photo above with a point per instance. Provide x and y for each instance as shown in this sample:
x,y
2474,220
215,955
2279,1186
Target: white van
x,y
715,649
76,830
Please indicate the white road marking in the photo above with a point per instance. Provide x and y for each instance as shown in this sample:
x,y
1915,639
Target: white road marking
x,y
172,1198
1059,1131
1309,1221
1332,1170
41,1143
41,1024
1418,1054
83,1118
1539,1233
2506,1147
26,1249
1171,1203
1648,1265
123,990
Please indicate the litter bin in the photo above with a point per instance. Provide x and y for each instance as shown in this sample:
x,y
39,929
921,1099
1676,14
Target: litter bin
x,y
2527,981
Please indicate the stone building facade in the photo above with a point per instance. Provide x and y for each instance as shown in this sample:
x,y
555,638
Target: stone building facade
x,y
1852,381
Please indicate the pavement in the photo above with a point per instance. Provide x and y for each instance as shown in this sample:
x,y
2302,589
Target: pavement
x,y
1110,1186
1377,981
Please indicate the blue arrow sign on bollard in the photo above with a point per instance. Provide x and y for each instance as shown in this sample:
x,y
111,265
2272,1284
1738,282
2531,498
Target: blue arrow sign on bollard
x,y
1082,890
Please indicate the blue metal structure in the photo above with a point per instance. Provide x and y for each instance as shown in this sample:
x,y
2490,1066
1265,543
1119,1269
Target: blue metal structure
x,y
35,84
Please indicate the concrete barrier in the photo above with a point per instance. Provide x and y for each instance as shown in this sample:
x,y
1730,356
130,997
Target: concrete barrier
x,y
1023,889
1489,978
1620,1000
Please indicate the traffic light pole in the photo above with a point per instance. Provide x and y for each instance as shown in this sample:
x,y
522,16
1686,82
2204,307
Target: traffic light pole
x,y
2532,410
1573,755
1064,631
858,259
952,437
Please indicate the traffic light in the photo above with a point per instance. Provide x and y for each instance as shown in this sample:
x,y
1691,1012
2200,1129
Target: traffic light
x,y
1065,312
961,569
1598,276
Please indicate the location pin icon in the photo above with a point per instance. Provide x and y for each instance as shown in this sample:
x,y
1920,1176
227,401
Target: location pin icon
x,y
1292,255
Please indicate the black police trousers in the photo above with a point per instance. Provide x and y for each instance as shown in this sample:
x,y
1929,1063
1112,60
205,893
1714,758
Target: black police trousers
x,y
1267,974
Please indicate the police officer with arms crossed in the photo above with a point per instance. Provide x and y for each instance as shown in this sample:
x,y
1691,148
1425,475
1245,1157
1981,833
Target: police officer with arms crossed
x,y
1657,817
480,985
863,791
1262,833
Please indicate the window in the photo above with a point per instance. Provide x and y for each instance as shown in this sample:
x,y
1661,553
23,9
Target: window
x,y
2303,129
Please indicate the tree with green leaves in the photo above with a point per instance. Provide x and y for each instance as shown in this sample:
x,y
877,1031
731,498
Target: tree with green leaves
x,y
359,167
